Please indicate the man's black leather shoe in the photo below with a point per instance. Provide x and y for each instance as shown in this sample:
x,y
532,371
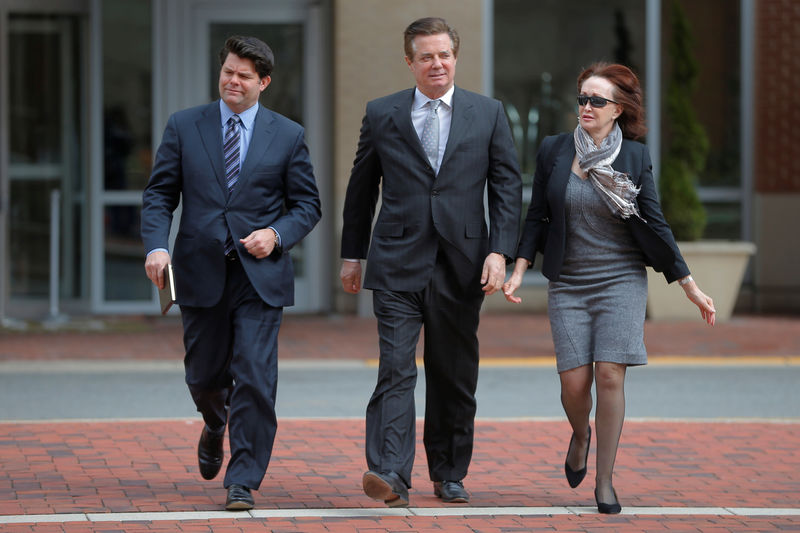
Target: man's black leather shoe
x,y
239,498
209,452
387,487
450,491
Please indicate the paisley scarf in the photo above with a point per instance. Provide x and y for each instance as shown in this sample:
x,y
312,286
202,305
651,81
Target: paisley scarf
x,y
616,188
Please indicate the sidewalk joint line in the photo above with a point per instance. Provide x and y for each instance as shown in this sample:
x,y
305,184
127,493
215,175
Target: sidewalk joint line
x,y
370,512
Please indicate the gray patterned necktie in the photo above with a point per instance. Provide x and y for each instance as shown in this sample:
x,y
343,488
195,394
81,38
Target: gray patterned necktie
x,y
430,134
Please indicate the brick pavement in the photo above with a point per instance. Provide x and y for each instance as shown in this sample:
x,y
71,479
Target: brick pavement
x,y
349,337
137,466
118,467
510,524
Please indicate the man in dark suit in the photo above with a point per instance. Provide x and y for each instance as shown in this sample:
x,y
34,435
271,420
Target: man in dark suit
x,y
249,195
431,152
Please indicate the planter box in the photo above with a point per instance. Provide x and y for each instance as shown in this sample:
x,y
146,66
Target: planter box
x,y
718,268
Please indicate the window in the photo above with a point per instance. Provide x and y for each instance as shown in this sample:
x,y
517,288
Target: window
x,y
127,152
714,26
541,47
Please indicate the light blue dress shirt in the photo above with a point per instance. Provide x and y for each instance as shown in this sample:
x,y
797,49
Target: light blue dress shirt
x,y
248,118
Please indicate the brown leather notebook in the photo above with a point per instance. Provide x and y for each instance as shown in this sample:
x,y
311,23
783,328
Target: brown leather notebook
x,y
167,295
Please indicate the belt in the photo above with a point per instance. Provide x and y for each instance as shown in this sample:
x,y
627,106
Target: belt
x,y
232,256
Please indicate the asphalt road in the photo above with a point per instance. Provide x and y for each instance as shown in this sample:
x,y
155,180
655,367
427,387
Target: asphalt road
x,y
122,390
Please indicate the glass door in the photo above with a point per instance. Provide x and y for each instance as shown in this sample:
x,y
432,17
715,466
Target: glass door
x,y
46,126
125,59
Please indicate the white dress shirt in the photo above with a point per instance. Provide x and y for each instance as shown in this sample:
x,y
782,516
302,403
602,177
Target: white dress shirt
x,y
420,111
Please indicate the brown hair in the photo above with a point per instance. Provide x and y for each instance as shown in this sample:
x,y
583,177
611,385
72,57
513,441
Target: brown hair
x,y
429,26
627,92
249,48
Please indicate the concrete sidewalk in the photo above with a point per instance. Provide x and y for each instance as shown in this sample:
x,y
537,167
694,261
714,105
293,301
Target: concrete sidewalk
x,y
348,337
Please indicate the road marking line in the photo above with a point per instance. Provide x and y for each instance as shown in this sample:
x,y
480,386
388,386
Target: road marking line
x,y
488,419
653,360
381,512
722,360
76,366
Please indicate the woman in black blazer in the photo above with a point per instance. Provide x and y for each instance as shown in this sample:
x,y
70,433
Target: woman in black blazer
x,y
595,217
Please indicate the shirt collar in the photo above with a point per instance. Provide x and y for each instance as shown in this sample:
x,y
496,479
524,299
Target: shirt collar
x,y
420,99
248,116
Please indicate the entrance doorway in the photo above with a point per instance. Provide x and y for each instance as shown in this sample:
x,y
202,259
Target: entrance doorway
x,y
44,78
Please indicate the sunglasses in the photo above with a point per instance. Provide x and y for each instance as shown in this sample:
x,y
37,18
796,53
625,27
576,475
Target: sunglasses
x,y
596,101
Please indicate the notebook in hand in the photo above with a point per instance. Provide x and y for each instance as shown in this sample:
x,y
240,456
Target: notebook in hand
x,y
167,294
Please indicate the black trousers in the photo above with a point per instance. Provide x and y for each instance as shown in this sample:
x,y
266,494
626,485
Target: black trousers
x,y
231,367
449,314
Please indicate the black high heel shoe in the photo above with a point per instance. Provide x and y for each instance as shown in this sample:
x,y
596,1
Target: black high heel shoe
x,y
574,477
608,508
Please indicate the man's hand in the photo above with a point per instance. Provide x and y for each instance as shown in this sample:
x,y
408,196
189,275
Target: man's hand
x,y
260,243
494,273
351,276
154,266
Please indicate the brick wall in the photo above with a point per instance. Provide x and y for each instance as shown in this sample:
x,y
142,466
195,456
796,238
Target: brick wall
x,y
777,71
368,59
368,63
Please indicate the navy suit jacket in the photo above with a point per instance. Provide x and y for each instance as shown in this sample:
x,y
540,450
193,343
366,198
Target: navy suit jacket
x,y
545,223
276,187
419,207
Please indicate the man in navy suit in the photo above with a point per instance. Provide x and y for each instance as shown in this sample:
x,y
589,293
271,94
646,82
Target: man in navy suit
x,y
429,152
248,192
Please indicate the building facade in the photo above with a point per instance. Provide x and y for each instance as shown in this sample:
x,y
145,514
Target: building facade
x,y
86,87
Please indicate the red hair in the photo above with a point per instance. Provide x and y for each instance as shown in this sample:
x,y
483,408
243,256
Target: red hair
x,y
627,92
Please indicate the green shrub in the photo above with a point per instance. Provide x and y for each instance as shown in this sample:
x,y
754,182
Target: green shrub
x,y
685,156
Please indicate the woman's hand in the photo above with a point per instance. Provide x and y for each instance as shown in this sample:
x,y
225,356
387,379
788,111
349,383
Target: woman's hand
x,y
701,300
515,280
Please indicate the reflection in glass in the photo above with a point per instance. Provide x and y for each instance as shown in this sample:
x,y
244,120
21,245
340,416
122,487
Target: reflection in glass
x,y
715,27
46,125
127,90
124,258
30,224
34,114
127,143
723,220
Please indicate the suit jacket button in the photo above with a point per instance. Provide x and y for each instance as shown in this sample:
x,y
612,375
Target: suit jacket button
x,y
435,192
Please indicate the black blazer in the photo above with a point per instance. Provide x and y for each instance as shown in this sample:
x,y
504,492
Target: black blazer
x,y
545,225
276,188
418,207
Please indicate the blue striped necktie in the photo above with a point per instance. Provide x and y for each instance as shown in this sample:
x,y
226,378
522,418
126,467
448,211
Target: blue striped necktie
x,y
230,150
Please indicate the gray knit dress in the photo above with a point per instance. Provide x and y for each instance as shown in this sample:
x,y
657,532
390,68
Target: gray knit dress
x,y
597,306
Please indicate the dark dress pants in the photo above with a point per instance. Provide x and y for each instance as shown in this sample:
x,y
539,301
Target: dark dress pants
x,y
231,367
449,315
